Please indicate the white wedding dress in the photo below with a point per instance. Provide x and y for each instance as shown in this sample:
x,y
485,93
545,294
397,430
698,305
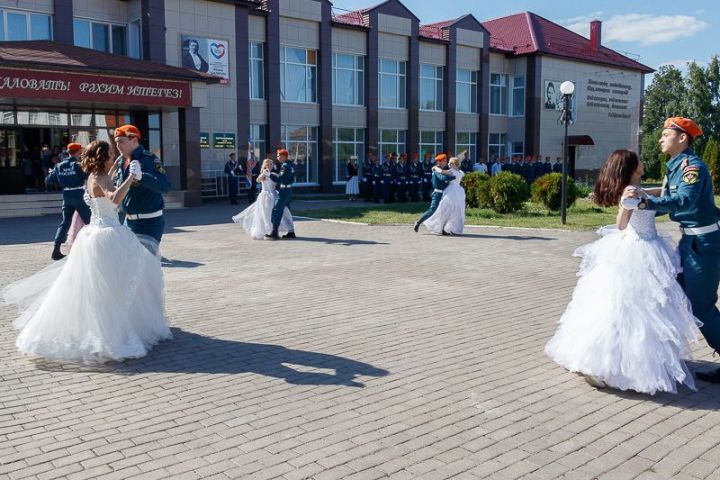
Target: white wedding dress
x,y
629,323
104,301
256,219
450,214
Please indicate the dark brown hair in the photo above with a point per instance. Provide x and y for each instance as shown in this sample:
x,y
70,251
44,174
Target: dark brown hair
x,y
614,176
94,157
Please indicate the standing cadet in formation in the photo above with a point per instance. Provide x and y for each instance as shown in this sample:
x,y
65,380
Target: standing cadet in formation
x,y
387,172
465,163
234,172
284,180
557,166
687,195
401,178
440,181
143,204
377,190
70,177
427,166
366,178
415,178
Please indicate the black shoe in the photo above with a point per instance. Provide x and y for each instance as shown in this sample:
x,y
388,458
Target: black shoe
x,y
272,236
416,227
289,235
445,234
712,376
56,254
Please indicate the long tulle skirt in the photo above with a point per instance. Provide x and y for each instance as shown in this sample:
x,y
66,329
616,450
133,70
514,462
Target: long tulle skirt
x,y
256,219
450,214
629,322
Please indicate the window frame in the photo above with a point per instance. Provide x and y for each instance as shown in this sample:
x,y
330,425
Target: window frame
x,y
502,89
513,90
260,63
311,141
399,143
437,143
358,144
28,14
502,143
471,145
312,68
109,26
400,83
473,85
437,82
357,75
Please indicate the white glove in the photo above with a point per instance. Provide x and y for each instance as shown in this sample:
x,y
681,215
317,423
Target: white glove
x,y
86,197
135,170
629,203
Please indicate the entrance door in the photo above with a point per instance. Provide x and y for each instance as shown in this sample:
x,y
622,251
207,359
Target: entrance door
x,y
12,180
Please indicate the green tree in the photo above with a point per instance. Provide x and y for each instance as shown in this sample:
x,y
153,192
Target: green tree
x,y
651,154
698,102
664,98
711,156
713,80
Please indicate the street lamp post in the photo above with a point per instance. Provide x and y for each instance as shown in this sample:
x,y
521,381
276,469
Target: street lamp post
x,y
566,88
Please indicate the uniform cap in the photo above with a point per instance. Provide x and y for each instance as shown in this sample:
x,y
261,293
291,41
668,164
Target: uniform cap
x,y
74,147
440,156
130,131
685,125
353,157
282,151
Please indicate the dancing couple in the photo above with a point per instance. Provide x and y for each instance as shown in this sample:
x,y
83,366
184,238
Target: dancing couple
x,y
446,215
637,303
106,299
270,214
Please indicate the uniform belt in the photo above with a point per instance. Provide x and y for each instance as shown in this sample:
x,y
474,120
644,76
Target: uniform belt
x,y
437,190
285,186
701,230
143,216
72,188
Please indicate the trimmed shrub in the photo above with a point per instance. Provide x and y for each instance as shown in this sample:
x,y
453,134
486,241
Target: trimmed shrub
x,y
476,184
508,192
584,189
548,191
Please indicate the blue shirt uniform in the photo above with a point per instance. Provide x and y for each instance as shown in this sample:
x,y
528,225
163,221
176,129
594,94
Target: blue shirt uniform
x,y
366,180
387,171
144,197
284,178
688,197
69,175
415,174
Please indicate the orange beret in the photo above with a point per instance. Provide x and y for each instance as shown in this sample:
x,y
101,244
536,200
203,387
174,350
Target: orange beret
x,y
415,156
440,156
282,151
685,125
129,131
403,155
74,147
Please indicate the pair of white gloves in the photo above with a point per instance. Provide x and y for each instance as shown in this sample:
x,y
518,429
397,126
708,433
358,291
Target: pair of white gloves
x,y
630,203
135,170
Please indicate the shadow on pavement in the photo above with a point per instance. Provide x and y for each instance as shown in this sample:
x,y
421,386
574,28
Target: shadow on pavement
x,y
171,263
335,241
190,352
505,237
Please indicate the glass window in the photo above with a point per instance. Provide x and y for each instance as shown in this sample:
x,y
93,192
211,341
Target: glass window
x,y
517,148
81,29
347,141
301,144
391,141
466,99
518,96
466,141
100,37
498,94
153,120
431,142
431,87
134,39
39,27
257,71
391,83
119,40
298,72
497,145
17,28
257,141
81,119
348,79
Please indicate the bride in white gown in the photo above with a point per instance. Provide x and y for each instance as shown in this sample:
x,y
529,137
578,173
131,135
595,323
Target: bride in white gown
x,y
256,219
106,299
449,218
629,324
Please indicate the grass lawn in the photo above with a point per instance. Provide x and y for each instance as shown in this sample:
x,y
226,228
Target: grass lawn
x,y
584,215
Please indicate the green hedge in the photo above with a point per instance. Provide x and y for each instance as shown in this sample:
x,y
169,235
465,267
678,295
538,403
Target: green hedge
x,y
548,191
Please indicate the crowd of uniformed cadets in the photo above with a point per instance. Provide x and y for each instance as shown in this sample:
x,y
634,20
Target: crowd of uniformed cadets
x,y
399,179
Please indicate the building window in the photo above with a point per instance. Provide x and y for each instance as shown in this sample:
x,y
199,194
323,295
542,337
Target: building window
x,y
518,96
134,39
298,74
430,142
104,37
431,87
17,25
392,83
498,94
466,100
257,141
346,142
391,141
497,145
517,149
466,141
154,135
301,144
257,71
348,79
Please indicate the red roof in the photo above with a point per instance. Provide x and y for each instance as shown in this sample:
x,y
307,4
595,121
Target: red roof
x,y
525,33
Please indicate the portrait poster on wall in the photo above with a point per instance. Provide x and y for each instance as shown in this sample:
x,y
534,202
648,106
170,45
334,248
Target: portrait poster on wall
x,y
206,55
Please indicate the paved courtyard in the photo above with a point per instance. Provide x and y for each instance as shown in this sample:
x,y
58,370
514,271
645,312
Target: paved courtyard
x,y
353,352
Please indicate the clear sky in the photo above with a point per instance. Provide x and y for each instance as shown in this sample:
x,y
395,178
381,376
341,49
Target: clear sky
x,y
660,32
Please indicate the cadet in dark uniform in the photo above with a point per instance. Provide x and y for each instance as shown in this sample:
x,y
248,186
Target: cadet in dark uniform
x,y
415,178
366,179
427,166
387,173
557,166
440,181
687,195
234,172
466,164
401,178
376,175
143,204
71,178
252,170
284,180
